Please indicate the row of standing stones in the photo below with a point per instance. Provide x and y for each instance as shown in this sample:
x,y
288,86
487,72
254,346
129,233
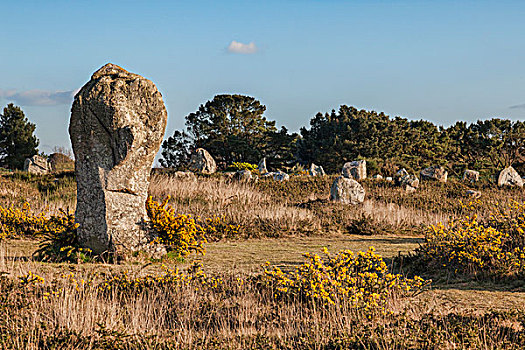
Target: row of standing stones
x,y
117,125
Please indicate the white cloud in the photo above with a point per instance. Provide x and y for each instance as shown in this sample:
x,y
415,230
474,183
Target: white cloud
x,y
237,47
37,97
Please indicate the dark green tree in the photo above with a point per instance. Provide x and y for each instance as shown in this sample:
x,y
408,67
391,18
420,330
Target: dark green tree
x,y
232,128
17,141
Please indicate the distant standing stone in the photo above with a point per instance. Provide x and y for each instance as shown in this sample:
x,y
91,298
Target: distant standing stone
x,y
117,124
243,175
409,182
37,165
355,170
400,173
471,176
473,194
377,177
510,177
347,191
435,172
262,167
316,170
201,161
278,176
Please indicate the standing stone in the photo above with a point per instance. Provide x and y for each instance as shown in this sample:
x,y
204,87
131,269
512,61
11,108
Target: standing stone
x,y
347,191
201,161
262,167
400,173
409,183
473,194
316,170
471,176
117,124
510,177
435,172
355,170
243,175
377,177
278,176
37,165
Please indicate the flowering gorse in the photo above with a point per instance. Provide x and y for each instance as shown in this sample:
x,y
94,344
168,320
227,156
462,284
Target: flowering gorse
x,y
362,280
178,232
470,245
18,222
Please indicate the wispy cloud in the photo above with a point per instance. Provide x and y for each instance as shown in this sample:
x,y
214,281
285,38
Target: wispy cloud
x,y
38,97
238,47
521,106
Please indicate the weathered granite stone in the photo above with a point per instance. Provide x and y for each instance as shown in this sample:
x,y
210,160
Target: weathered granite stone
x,y
389,179
471,176
510,177
355,170
243,175
400,173
201,161
347,191
435,172
473,194
117,124
262,167
278,176
409,183
37,165
316,170
377,177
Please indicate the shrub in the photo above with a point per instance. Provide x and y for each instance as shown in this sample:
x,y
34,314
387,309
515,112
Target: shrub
x,y
60,241
494,246
16,222
178,232
362,279
242,166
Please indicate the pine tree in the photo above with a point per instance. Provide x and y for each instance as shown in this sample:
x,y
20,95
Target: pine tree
x,y
17,141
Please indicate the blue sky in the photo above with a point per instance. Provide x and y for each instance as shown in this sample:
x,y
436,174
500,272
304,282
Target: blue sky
x,y
436,60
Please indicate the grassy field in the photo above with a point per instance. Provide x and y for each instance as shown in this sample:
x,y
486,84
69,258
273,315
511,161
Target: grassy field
x,y
71,309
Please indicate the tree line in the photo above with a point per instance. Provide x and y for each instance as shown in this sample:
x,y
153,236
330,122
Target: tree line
x,y
233,128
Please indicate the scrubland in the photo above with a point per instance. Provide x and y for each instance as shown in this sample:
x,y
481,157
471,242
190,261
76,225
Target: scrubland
x,y
468,293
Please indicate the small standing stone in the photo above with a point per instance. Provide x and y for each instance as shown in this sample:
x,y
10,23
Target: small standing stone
x,y
243,175
201,161
471,176
400,173
435,172
473,194
316,170
262,167
355,170
409,182
37,165
510,177
347,191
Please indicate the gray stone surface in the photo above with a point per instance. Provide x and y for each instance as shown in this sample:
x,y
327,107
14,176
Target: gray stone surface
x,y
473,194
471,176
243,175
400,173
409,182
510,177
316,170
117,124
434,173
262,167
201,161
278,176
377,177
347,191
37,165
355,170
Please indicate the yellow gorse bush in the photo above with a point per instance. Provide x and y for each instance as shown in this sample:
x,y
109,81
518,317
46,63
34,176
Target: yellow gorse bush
x,y
470,245
243,166
361,279
16,222
178,232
